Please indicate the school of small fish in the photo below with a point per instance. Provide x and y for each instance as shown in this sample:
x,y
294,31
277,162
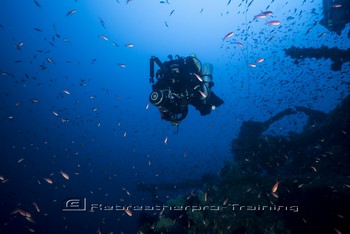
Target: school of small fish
x,y
77,101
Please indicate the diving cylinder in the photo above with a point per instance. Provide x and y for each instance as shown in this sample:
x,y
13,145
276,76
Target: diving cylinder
x,y
196,62
207,72
207,76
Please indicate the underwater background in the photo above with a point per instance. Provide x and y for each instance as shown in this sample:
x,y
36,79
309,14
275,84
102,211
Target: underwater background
x,y
83,150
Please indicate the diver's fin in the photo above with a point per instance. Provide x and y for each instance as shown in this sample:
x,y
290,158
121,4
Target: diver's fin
x,y
215,100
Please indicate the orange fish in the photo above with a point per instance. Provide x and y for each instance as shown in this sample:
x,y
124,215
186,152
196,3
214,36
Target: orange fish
x,y
19,45
274,22
260,60
104,37
228,35
198,77
65,175
337,5
23,213
202,93
48,180
66,91
71,12
260,16
275,187
128,212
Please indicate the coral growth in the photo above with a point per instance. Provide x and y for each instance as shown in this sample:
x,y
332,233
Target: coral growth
x,y
276,184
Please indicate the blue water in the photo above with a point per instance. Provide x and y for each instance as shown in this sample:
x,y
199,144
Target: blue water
x,y
67,104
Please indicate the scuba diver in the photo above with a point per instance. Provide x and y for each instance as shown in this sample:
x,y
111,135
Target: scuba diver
x,y
180,82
